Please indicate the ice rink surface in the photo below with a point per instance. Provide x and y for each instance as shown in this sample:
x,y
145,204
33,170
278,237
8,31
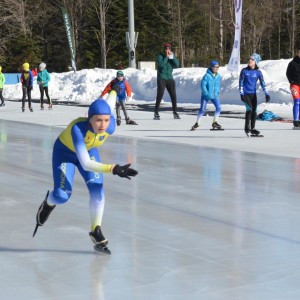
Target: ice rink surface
x,y
197,223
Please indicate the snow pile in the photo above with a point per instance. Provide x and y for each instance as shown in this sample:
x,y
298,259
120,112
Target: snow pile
x,y
86,85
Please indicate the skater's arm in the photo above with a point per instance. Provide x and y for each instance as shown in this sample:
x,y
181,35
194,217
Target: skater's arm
x,y
262,83
174,62
241,83
204,89
83,156
107,89
128,89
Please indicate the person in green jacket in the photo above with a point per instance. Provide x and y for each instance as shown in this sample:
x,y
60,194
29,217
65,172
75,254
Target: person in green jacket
x,y
166,62
2,82
43,79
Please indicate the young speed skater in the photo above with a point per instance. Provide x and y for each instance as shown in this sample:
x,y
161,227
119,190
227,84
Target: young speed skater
x,y
210,89
43,79
123,95
247,86
77,147
27,85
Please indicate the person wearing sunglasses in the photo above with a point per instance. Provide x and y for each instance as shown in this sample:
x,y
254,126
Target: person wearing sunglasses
x,y
247,87
166,62
210,89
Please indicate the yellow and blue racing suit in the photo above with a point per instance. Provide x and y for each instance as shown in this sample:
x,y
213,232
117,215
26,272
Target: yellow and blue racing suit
x,y
77,146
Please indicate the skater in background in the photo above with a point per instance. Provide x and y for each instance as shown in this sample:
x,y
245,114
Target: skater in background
x,y
293,76
27,85
210,89
43,79
123,95
2,82
77,146
166,62
247,87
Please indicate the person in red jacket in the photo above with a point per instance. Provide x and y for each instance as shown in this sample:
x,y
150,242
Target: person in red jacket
x,y
123,95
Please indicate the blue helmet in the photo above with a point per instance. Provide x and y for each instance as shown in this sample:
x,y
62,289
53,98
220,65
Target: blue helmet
x,y
256,57
213,63
99,107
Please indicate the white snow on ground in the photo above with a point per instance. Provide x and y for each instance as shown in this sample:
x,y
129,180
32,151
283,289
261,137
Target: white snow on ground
x,y
86,85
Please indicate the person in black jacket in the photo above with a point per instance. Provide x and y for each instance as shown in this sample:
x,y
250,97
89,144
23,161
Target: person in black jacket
x,y
293,76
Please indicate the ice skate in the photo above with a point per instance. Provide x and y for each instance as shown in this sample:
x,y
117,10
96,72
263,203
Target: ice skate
x,y
156,116
216,126
2,104
296,125
255,133
99,240
118,121
176,115
196,125
50,106
42,107
30,108
43,213
130,122
23,109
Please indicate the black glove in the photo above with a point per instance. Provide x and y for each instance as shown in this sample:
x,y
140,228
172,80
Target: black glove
x,y
124,171
268,98
243,98
31,88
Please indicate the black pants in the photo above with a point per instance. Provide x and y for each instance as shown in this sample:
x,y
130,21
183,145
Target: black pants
x,y
250,102
162,84
1,96
42,90
26,91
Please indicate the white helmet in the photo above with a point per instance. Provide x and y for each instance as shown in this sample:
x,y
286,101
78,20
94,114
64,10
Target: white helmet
x,y
42,66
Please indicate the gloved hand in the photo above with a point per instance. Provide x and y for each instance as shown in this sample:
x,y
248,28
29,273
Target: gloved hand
x,y
31,88
124,171
268,98
243,98
128,98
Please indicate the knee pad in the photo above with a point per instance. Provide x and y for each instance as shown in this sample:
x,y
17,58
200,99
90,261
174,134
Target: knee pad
x,y
59,196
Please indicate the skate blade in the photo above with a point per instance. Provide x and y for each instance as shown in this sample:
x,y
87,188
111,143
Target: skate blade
x,y
296,128
35,230
156,118
102,249
216,129
256,135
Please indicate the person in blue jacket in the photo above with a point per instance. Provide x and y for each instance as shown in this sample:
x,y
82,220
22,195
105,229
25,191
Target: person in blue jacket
x,y
123,94
247,87
43,79
77,146
210,89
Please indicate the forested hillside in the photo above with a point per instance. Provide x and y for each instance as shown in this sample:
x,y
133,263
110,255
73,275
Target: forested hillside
x,y
199,30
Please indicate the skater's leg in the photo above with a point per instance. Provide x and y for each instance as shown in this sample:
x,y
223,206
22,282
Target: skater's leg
x,y
42,96
161,85
248,103
24,91
216,103
123,105
48,97
296,109
254,111
63,168
29,97
171,88
1,97
118,109
202,109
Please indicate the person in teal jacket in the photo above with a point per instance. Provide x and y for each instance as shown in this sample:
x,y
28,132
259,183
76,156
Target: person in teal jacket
x,y
2,82
210,88
43,79
166,62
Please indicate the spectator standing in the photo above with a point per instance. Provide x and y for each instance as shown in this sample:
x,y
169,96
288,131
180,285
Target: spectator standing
x,y
166,62
2,82
43,79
